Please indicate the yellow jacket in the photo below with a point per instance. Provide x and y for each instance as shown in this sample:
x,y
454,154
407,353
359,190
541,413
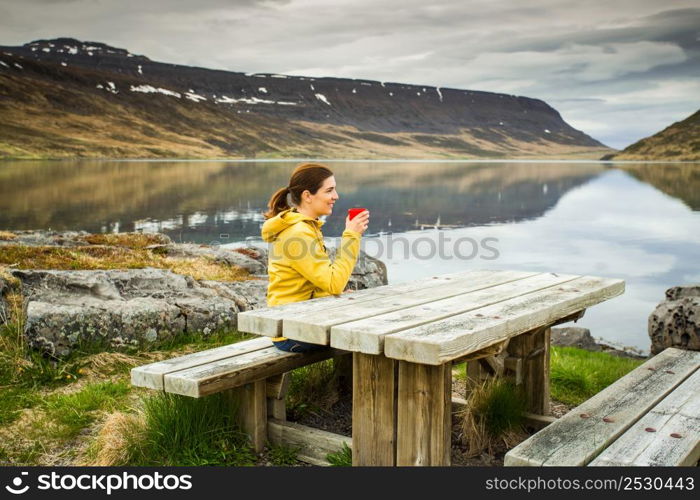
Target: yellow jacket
x,y
298,264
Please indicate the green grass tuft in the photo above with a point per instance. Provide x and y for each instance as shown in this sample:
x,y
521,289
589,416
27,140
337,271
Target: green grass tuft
x,y
283,455
75,411
179,430
312,388
341,458
502,408
577,375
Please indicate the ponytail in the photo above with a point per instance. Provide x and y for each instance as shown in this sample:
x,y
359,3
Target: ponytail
x,y
278,202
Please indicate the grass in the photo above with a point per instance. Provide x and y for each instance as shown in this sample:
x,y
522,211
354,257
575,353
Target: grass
x,y
577,375
341,458
116,257
313,388
71,413
46,405
493,416
283,455
128,240
175,430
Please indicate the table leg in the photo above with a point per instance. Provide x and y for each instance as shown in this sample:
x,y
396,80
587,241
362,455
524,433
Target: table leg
x,y
249,402
533,349
373,410
424,414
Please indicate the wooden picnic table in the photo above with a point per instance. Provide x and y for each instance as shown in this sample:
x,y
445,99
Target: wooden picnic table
x,y
404,339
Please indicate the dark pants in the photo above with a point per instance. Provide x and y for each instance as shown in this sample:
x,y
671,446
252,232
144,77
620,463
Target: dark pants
x,y
290,345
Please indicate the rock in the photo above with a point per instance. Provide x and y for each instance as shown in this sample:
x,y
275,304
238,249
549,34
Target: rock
x,y
681,292
253,260
108,309
113,308
574,336
676,321
4,309
64,238
368,272
47,238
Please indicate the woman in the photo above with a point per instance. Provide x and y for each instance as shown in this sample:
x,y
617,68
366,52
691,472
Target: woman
x,y
299,267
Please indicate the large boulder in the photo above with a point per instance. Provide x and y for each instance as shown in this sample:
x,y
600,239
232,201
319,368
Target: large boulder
x,y
368,272
676,321
574,336
253,260
113,308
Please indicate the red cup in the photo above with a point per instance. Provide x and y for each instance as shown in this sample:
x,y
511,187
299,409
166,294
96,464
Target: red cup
x,y
352,212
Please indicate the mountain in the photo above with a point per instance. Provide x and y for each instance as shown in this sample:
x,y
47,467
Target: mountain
x,y
680,142
66,98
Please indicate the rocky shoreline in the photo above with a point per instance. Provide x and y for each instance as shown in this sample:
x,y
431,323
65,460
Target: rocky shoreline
x,y
134,305
114,308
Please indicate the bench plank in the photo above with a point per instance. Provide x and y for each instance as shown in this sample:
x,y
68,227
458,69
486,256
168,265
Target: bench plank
x,y
151,375
368,335
268,321
448,339
232,372
315,327
679,414
575,441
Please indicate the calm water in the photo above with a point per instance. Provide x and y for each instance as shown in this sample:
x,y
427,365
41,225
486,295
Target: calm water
x,y
638,222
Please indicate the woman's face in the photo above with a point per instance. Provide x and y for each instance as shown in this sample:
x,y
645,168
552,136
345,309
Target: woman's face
x,y
322,202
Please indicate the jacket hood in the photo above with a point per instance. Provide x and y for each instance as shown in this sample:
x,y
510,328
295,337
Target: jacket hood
x,y
283,220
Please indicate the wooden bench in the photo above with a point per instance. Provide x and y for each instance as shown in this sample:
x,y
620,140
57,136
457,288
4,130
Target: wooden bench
x,y
254,375
649,417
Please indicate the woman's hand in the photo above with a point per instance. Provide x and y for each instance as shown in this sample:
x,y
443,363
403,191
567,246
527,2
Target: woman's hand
x,y
359,223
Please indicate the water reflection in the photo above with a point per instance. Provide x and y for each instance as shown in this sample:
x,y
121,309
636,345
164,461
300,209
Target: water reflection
x,y
638,222
201,201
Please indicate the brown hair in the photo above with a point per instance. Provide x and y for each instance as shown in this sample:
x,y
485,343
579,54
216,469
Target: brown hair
x,y
306,176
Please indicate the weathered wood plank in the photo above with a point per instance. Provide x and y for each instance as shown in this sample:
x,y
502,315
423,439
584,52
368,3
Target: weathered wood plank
x,y
239,370
533,348
277,408
424,415
251,411
514,368
151,375
676,436
278,385
315,326
442,341
314,444
373,410
580,435
276,388
268,321
538,421
368,335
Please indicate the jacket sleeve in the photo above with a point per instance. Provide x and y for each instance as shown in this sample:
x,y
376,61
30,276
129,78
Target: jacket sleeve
x,y
310,260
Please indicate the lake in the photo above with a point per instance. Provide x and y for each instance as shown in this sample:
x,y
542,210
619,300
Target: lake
x,y
635,221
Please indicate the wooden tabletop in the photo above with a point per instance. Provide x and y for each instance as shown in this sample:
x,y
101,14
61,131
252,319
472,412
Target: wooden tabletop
x,y
437,319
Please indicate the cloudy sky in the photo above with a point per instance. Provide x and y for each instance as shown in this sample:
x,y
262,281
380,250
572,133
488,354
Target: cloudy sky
x,y
619,70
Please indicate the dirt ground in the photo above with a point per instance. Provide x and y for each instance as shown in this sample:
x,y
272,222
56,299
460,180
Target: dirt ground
x,y
338,419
